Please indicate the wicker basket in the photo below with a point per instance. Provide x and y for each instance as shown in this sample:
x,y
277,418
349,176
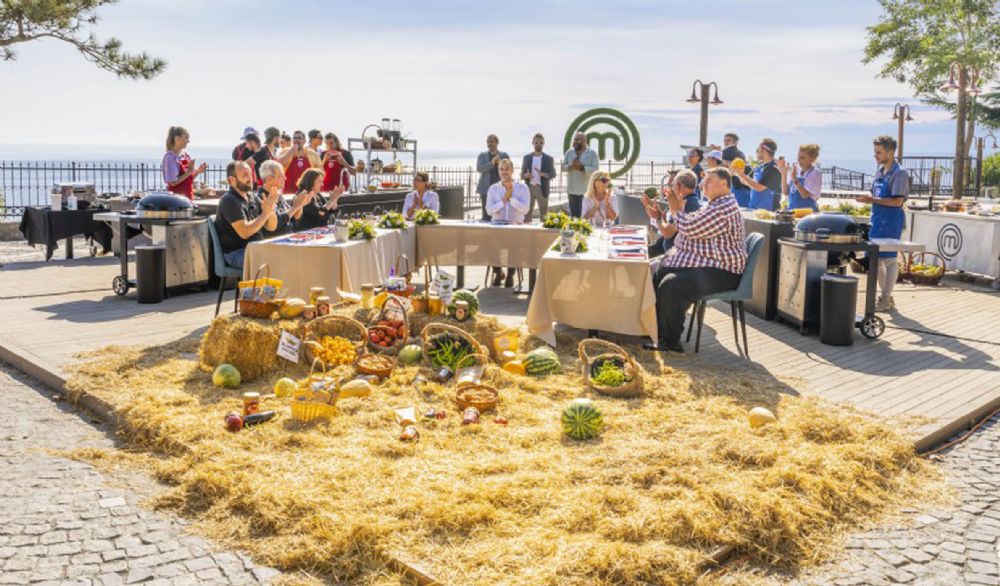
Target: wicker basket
x,y
924,279
335,325
258,309
303,409
437,328
381,315
594,351
378,365
482,397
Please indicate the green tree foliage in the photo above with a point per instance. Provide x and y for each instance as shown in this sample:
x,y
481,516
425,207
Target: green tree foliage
x,y
917,40
69,21
991,170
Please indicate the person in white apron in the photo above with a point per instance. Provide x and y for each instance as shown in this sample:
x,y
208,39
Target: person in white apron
x,y
889,192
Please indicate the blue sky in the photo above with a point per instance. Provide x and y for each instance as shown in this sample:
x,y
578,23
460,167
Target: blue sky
x,y
456,71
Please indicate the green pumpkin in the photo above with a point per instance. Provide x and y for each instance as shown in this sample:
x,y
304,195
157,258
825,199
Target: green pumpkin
x,y
581,420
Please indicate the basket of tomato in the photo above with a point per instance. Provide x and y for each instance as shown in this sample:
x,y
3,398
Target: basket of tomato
x,y
387,332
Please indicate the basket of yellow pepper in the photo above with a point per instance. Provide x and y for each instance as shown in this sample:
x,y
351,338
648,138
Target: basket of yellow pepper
x,y
335,339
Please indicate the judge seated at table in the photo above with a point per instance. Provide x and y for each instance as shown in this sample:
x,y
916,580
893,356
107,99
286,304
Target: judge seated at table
x,y
422,197
507,201
317,210
683,186
600,206
708,256
242,216
273,175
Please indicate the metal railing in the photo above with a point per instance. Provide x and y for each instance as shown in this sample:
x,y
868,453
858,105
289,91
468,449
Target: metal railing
x,y
28,183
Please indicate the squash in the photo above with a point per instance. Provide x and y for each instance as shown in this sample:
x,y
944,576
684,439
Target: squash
x,y
355,388
760,416
515,367
291,308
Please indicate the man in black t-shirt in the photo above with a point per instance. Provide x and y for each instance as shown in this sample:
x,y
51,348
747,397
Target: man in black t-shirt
x,y
730,150
242,215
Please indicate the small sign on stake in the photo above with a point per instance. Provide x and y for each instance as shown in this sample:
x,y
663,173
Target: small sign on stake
x,y
288,347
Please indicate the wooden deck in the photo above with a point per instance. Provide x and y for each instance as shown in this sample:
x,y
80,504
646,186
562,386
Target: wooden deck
x,y
939,357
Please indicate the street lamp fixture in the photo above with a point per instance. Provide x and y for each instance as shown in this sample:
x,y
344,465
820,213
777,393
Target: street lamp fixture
x,y
901,112
964,80
699,93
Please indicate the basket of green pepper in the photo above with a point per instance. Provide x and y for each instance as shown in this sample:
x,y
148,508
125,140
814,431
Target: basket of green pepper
x,y
445,345
609,369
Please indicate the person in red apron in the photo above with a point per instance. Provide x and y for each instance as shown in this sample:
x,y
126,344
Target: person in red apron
x,y
338,164
179,170
296,160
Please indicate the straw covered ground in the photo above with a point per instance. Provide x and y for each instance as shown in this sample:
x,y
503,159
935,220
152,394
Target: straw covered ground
x,y
676,474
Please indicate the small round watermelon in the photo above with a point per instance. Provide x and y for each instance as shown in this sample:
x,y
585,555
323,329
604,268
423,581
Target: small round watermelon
x,y
410,354
226,375
581,420
467,296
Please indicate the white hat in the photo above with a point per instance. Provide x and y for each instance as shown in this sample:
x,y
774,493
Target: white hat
x,y
248,131
717,155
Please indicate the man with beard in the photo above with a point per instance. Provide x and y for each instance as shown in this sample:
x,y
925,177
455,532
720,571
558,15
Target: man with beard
x,y
242,215
578,164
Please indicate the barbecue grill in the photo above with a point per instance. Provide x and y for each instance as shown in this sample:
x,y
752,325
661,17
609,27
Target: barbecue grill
x,y
164,205
823,243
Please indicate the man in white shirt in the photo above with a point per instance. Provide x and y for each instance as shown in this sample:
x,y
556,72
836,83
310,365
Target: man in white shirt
x,y
538,169
507,201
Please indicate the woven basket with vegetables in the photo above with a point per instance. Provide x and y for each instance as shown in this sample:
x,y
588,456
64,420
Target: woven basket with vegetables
x,y
609,369
925,268
445,345
480,396
335,339
387,331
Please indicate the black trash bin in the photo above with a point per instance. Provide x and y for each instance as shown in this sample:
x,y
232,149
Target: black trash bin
x,y
838,302
151,273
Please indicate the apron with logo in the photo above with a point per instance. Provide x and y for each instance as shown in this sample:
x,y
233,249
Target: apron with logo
x,y
887,222
295,170
796,200
186,187
764,199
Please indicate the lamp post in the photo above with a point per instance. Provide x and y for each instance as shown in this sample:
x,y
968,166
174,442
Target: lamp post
x,y
901,112
966,82
980,144
704,89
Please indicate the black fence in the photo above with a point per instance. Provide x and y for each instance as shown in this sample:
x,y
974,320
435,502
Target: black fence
x,y
28,183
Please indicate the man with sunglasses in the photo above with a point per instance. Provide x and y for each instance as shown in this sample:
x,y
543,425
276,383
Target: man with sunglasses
x,y
296,159
766,181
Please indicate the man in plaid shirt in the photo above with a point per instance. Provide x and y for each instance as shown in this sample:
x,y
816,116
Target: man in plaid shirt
x,y
708,256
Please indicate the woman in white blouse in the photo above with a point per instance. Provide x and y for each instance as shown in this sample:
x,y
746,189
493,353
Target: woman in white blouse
x,y
507,201
421,198
600,207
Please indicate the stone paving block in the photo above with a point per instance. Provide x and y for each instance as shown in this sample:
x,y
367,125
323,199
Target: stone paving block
x,y
978,567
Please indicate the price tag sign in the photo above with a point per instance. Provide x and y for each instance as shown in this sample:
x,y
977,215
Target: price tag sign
x,y
288,347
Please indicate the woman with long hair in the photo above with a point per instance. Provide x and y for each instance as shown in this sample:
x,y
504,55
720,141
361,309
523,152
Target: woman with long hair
x,y
179,171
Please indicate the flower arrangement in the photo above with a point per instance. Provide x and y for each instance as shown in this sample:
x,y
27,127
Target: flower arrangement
x,y
425,217
557,220
392,220
360,229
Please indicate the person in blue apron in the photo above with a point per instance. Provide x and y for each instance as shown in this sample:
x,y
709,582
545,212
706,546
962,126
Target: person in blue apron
x,y
766,181
803,182
889,192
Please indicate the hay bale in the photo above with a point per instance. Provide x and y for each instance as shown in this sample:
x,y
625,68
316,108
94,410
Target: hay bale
x,y
248,344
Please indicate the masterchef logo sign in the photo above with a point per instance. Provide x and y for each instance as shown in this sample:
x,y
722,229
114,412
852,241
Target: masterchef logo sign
x,y
949,241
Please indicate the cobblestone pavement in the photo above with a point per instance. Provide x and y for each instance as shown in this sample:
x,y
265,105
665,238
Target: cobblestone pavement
x,y
946,547
63,522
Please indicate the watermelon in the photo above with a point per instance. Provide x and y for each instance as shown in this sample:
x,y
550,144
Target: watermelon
x,y
226,375
410,354
467,296
581,420
541,361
